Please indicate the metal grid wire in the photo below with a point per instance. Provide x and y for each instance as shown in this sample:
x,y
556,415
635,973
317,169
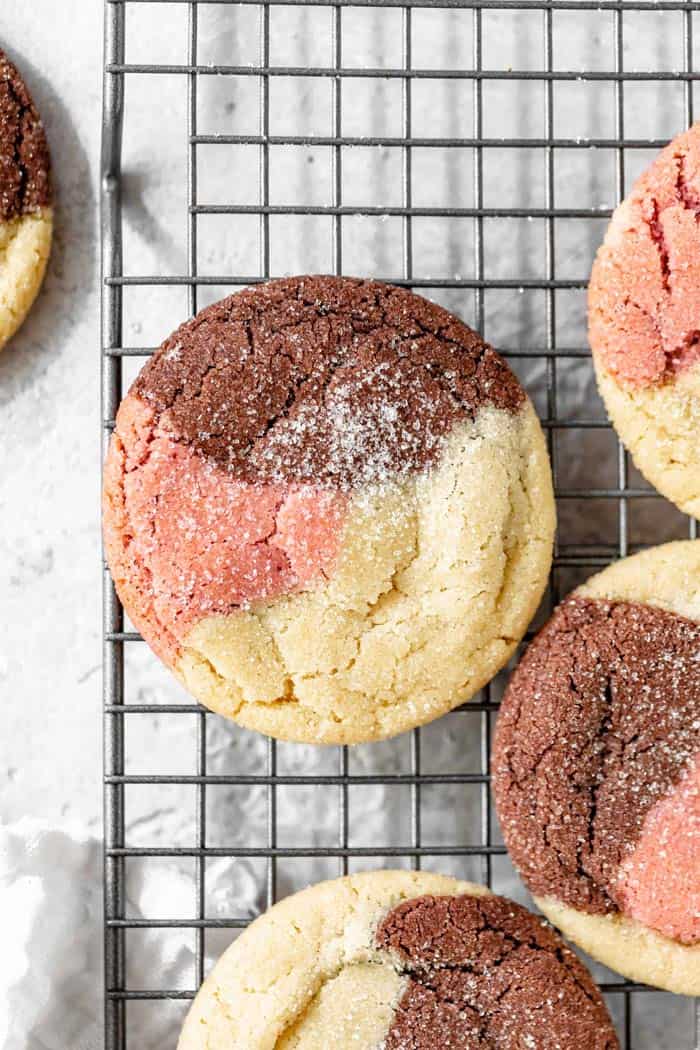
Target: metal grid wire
x,y
466,293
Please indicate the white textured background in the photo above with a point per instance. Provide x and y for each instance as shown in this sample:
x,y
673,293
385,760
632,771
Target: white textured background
x,y
49,444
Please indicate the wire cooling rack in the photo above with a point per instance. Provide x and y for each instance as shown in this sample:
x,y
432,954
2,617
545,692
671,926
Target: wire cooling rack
x,y
473,150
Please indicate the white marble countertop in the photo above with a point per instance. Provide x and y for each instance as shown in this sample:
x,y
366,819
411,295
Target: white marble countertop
x,y
49,449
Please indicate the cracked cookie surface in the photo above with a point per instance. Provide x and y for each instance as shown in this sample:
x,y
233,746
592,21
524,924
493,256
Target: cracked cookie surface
x,y
398,961
323,381
328,508
644,321
596,762
26,214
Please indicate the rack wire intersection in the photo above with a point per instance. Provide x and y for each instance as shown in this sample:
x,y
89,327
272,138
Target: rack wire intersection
x,y
472,150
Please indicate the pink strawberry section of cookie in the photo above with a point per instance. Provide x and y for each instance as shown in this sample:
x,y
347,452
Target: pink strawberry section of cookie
x,y
187,541
645,285
660,882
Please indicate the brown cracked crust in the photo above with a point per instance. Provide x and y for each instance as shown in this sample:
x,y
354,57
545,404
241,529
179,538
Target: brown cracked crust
x,y
329,380
25,165
485,972
599,721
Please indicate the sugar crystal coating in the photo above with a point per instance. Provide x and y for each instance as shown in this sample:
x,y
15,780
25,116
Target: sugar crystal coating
x,y
599,727
645,286
484,972
323,380
25,166
318,490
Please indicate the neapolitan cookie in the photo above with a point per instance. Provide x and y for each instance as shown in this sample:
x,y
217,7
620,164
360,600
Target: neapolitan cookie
x,y
398,960
596,767
644,321
328,508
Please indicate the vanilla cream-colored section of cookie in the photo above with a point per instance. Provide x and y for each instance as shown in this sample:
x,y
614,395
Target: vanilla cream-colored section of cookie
x,y
667,576
629,948
660,426
437,579
285,982
25,244
354,1009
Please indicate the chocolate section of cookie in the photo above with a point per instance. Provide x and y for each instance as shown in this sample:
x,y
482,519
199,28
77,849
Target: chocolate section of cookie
x,y
323,379
600,720
25,167
484,972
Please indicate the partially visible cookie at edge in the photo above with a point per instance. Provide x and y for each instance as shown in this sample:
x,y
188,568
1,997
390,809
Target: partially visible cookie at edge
x,y
596,767
398,960
644,321
26,200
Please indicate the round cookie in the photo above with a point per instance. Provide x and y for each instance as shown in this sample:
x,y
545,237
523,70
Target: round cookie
x,y
596,767
328,508
644,321
26,213
398,960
